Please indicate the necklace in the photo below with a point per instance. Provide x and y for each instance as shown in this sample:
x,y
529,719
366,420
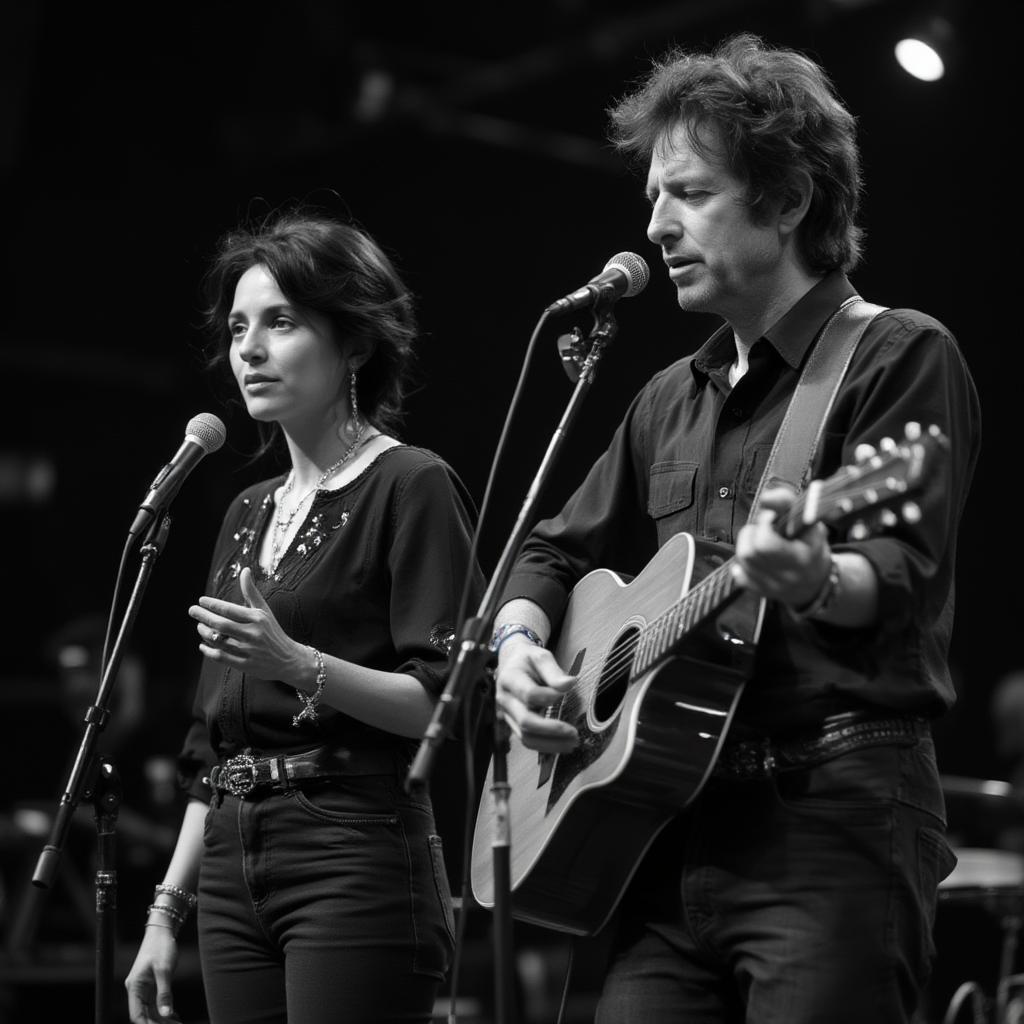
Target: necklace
x,y
282,522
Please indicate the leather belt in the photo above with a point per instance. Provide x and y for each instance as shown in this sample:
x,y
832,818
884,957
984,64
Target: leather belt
x,y
243,773
765,757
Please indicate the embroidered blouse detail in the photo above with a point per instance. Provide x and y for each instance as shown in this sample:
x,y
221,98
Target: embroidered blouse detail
x,y
442,637
316,533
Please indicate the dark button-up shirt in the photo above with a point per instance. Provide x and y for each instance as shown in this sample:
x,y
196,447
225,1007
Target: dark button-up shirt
x,y
689,456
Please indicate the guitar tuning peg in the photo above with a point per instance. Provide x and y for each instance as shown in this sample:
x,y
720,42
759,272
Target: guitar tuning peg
x,y
859,531
887,518
887,444
912,431
911,512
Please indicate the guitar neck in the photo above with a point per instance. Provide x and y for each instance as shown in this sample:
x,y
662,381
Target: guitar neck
x,y
887,478
660,638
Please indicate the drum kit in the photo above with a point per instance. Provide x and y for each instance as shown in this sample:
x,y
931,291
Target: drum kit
x,y
986,830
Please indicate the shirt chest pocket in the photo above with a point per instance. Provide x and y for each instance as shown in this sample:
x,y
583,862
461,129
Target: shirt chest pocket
x,y
671,498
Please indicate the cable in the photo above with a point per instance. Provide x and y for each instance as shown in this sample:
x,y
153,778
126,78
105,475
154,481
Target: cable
x,y
471,727
565,985
968,988
498,453
114,601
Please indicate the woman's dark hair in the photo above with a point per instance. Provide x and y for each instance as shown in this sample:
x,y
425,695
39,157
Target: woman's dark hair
x,y
339,271
777,118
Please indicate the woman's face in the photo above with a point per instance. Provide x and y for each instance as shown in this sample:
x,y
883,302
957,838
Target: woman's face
x,y
286,359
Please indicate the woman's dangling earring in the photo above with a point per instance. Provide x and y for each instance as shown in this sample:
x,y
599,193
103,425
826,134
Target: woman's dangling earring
x,y
353,402
351,431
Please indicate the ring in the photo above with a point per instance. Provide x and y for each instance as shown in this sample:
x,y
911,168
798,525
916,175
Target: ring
x,y
214,637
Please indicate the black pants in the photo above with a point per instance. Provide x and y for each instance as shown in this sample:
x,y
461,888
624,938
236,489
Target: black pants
x,y
322,904
808,898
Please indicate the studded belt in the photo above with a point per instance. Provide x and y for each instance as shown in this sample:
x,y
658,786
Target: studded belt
x,y
244,773
764,757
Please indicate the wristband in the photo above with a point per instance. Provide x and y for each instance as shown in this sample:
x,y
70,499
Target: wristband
x,y
502,633
826,596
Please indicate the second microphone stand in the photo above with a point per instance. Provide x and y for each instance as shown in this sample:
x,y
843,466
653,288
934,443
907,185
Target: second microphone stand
x,y
96,779
475,658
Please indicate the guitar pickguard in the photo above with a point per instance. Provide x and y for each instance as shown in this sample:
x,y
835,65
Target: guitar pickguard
x,y
590,748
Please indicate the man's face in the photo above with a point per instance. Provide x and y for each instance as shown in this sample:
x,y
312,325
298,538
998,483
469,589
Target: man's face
x,y
719,259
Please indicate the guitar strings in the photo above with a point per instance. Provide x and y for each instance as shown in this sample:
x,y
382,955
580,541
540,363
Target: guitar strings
x,y
625,654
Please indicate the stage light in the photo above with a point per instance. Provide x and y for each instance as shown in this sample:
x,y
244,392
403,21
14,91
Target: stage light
x,y
924,53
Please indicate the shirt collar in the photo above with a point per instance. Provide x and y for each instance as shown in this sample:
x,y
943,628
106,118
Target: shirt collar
x,y
792,334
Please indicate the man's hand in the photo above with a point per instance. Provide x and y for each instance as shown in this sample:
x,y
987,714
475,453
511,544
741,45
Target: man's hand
x,y
528,680
789,571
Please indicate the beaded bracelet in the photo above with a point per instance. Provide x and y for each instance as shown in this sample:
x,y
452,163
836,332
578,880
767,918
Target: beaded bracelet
x,y
178,893
311,701
502,633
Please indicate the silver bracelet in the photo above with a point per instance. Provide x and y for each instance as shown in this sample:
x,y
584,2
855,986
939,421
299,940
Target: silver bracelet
x,y
175,891
176,916
311,701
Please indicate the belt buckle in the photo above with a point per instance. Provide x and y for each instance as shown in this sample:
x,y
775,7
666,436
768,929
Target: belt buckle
x,y
238,775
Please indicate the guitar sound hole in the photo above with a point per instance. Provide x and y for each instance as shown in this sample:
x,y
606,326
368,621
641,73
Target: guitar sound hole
x,y
615,676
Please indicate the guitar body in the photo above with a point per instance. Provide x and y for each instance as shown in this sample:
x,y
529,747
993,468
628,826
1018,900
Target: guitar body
x,y
580,822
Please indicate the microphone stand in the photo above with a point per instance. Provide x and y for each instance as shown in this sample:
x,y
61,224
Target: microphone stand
x,y
475,659
94,778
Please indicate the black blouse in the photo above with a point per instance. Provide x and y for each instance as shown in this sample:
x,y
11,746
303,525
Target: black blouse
x,y
374,576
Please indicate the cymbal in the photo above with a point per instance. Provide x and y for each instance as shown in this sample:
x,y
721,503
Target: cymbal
x,y
983,812
991,878
988,869
984,789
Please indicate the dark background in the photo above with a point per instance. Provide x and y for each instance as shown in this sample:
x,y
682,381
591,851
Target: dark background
x,y
470,142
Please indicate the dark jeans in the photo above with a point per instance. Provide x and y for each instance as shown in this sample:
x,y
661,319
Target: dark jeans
x,y
804,899
323,904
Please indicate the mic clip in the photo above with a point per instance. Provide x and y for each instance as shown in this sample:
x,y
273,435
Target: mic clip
x,y
572,350
578,354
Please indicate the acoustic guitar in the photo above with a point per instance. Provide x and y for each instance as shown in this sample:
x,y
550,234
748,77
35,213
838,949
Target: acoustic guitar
x,y
660,663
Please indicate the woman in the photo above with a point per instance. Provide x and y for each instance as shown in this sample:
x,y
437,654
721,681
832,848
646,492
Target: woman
x,y
330,608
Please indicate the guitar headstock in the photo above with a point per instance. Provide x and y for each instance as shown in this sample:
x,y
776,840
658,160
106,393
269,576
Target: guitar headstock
x,y
873,493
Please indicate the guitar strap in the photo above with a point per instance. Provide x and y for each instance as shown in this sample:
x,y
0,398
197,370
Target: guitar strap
x,y
797,440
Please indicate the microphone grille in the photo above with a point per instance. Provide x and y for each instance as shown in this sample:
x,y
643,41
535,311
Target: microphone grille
x,y
634,267
208,430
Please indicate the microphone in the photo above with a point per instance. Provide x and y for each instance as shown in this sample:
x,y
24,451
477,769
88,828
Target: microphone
x,y
625,274
204,433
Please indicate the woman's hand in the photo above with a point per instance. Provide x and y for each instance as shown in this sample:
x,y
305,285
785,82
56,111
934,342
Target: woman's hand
x,y
149,981
249,636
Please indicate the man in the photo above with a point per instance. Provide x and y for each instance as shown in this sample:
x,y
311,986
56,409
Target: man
x,y
799,886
